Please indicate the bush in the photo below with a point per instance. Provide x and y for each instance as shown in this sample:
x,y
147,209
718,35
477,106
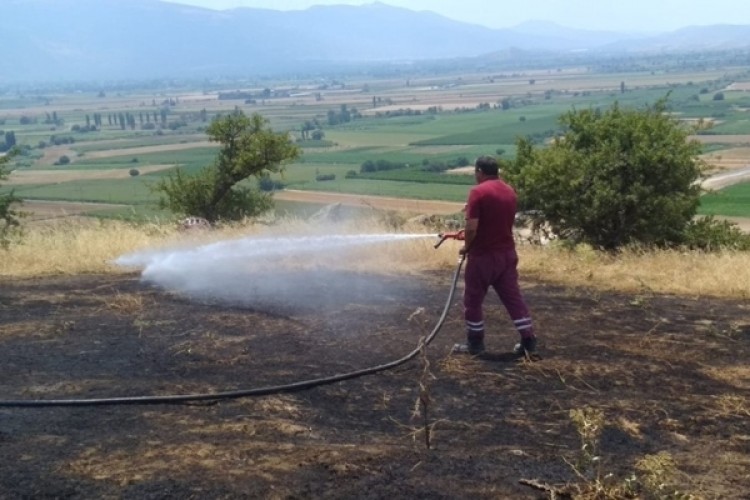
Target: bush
x,y
267,184
350,174
325,177
134,172
707,233
63,160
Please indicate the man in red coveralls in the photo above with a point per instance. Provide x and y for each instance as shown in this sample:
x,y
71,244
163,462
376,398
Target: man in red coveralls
x,y
492,259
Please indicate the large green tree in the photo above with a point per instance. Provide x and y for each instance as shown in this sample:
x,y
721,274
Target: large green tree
x,y
615,177
249,148
9,217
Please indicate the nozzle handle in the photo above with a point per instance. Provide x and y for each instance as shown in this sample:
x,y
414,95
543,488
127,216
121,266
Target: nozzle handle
x,y
442,237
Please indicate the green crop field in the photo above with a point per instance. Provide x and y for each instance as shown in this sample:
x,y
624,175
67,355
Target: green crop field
x,y
733,201
132,191
189,159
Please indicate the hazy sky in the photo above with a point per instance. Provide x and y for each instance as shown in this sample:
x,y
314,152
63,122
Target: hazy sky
x,y
617,15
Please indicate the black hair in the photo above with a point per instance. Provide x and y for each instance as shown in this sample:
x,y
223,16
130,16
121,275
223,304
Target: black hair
x,y
488,165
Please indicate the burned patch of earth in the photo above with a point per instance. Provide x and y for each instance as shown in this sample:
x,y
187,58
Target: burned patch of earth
x,y
669,373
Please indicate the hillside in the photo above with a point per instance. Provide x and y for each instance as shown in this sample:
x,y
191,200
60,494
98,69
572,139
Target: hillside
x,y
110,39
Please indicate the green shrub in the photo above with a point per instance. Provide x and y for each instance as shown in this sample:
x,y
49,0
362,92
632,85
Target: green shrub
x,y
266,184
707,233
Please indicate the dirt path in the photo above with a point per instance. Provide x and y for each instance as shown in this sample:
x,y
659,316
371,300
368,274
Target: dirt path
x,y
725,179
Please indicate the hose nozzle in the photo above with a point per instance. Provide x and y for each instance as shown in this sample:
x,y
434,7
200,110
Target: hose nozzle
x,y
456,235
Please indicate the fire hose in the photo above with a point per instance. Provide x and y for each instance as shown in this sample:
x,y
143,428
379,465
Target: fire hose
x,y
260,391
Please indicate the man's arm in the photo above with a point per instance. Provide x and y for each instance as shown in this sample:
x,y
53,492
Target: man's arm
x,y
470,232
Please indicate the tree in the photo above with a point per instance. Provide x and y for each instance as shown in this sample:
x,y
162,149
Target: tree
x,y
333,118
249,148
10,141
306,127
615,177
10,224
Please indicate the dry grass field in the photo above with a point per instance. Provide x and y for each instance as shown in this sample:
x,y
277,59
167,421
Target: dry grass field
x,y
729,159
30,177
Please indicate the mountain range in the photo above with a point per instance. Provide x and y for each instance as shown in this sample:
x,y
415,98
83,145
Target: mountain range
x,y
49,40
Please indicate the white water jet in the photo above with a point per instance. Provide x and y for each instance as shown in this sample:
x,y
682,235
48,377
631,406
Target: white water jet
x,y
245,271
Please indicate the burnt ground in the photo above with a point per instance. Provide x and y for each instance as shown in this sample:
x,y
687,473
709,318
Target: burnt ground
x,y
670,374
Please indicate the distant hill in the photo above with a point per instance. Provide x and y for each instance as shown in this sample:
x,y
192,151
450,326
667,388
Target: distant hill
x,y
693,38
115,39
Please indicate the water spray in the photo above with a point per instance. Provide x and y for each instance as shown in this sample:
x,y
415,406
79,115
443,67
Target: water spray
x,y
260,248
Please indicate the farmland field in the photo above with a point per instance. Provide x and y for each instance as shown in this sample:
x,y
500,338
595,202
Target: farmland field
x,y
731,201
422,121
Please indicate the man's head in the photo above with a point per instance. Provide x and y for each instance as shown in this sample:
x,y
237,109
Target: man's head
x,y
486,167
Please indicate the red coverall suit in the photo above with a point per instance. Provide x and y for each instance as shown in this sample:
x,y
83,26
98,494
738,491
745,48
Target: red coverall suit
x,y
492,259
